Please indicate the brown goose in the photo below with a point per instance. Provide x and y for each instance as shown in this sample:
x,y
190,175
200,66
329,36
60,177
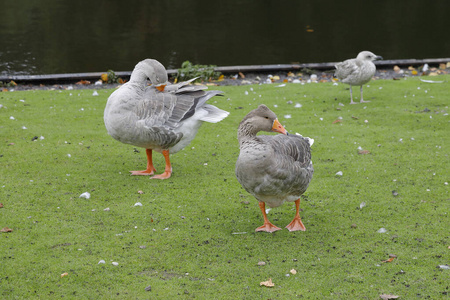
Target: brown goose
x,y
164,118
357,71
273,168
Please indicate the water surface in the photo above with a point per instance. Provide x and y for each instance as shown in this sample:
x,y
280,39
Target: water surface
x,y
50,36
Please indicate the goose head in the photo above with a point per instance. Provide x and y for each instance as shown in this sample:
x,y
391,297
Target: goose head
x,y
153,70
367,55
260,119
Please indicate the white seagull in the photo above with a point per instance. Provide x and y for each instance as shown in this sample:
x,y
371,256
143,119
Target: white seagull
x,y
357,71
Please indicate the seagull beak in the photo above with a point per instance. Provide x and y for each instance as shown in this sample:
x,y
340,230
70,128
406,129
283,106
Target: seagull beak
x,y
277,127
160,87
379,57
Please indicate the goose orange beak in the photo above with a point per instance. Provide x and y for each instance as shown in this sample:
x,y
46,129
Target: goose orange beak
x,y
160,87
277,127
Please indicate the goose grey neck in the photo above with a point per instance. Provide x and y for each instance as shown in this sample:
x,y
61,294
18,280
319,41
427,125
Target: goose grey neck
x,y
246,131
138,76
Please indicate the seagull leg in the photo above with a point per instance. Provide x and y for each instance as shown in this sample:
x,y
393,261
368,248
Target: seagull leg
x,y
362,100
351,95
150,168
167,170
296,224
267,227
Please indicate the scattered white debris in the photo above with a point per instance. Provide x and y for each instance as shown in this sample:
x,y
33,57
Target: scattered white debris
x,y
99,82
281,85
287,116
68,155
400,140
102,262
205,164
86,195
275,105
380,88
360,148
70,87
425,68
246,93
339,173
313,77
296,81
445,267
21,100
335,83
95,93
297,105
138,204
366,121
239,232
12,118
412,139
115,263
431,81
446,183
362,205
341,104
382,230
41,137
321,119
23,127
268,210
106,209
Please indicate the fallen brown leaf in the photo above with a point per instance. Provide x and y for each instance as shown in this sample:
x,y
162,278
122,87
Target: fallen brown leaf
x,y
241,75
337,121
386,296
140,192
83,82
363,152
6,229
389,260
356,118
1,205
267,283
64,274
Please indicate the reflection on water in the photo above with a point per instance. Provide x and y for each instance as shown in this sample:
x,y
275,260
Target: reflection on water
x,y
50,36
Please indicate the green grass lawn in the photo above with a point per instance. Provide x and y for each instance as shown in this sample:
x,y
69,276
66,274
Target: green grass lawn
x,y
193,237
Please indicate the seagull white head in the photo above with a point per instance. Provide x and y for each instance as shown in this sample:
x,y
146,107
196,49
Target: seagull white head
x,y
367,55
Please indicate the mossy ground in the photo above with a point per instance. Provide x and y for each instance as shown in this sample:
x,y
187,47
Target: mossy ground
x,y
193,237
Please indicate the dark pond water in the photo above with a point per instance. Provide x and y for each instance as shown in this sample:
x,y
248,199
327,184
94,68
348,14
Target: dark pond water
x,y
51,36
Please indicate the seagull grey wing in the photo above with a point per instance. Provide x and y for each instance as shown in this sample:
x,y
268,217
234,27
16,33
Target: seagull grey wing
x,y
347,68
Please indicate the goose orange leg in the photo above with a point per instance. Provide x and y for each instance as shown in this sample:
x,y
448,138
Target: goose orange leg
x,y
150,168
296,224
267,227
168,170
